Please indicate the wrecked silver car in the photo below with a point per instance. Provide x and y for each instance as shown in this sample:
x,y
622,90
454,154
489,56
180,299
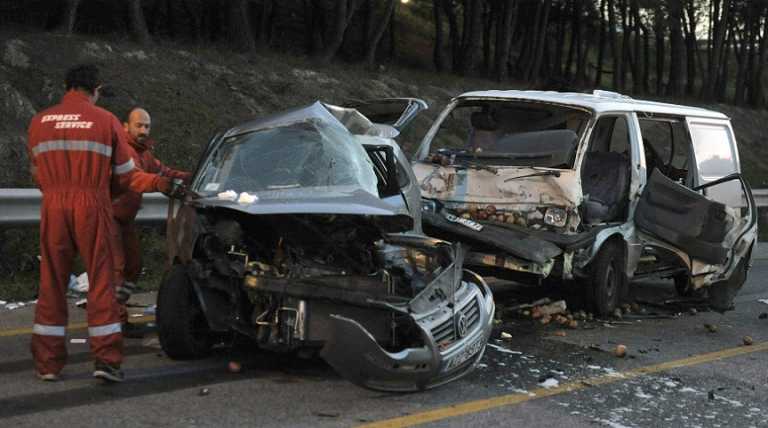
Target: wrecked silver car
x,y
599,187
303,234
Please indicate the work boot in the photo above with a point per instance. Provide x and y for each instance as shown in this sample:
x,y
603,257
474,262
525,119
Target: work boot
x,y
47,377
108,372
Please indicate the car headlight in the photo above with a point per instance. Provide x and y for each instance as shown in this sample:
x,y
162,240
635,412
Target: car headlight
x,y
555,217
428,205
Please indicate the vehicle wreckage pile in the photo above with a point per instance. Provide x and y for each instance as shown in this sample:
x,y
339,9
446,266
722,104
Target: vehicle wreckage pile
x,y
303,230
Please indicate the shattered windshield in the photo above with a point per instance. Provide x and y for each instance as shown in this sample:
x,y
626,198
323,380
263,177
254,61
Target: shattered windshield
x,y
306,154
510,133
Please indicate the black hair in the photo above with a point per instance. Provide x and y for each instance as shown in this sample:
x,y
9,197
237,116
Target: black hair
x,y
83,76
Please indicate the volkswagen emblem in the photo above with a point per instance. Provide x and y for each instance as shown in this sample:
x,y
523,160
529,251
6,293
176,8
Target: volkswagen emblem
x,y
462,325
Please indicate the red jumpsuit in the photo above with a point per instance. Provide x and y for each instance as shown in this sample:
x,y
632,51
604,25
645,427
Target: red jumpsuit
x,y
126,204
76,148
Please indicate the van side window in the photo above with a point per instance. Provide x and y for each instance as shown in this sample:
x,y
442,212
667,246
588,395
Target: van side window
x,y
714,150
667,146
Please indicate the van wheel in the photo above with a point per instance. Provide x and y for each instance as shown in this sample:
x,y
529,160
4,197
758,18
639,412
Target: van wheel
x,y
608,282
181,324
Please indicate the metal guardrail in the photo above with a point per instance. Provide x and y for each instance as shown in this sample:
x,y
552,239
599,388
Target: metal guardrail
x,y
21,207
761,197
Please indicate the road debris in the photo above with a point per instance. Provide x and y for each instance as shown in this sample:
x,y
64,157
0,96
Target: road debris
x,y
620,351
747,340
549,382
328,414
559,333
504,350
554,308
505,336
711,328
203,392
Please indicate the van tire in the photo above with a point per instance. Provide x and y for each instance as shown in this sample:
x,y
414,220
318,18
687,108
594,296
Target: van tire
x,y
181,324
608,283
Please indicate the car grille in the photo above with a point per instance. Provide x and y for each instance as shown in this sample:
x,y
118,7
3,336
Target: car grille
x,y
445,332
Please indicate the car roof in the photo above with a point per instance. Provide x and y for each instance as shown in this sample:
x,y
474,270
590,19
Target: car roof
x,y
598,101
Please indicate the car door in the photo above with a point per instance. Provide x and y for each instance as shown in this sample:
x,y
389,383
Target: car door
x,y
714,220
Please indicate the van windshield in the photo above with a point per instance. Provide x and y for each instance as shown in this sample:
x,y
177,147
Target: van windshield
x,y
510,133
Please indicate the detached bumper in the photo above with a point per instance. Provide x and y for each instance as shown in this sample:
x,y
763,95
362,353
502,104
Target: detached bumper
x,y
454,341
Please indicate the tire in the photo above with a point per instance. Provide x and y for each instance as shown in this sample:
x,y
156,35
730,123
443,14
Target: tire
x,y
608,282
181,324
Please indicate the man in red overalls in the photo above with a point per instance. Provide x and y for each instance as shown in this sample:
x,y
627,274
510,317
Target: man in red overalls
x,y
126,204
75,149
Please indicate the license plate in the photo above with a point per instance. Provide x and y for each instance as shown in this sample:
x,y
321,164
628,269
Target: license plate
x,y
468,352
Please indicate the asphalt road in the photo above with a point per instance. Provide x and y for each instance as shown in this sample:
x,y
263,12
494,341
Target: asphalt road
x,y
676,373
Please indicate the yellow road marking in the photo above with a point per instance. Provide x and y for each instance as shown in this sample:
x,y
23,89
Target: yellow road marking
x,y
74,326
468,407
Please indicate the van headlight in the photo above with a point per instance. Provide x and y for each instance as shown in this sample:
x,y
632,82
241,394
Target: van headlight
x,y
555,217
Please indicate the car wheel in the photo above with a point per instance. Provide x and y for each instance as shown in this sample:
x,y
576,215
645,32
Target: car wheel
x,y
608,282
182,327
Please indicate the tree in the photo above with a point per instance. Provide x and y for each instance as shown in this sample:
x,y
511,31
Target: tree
x,y
69,16
266,23
473,32
438,56
375,35
600,47
137,22
344,11
504,38
659,33
676,49
454,34
240,31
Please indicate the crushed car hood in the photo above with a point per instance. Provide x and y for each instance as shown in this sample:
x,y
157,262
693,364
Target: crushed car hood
x,y
313,201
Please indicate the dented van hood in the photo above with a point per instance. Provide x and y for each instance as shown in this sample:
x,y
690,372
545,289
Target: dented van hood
x,y
512,187
509,205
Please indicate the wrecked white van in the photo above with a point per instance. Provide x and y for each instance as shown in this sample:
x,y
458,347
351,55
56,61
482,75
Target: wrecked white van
x,y
597,187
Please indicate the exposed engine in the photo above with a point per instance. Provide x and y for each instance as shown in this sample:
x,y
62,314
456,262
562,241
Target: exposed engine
x,y
276,267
